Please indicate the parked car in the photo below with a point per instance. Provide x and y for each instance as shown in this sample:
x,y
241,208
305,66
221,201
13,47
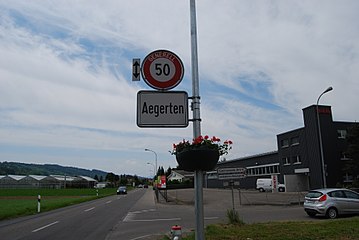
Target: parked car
x,y
331,202
265,184
122,190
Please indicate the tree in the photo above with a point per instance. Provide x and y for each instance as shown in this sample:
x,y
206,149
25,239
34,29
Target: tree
x,y
169,171
352,165
96,177
123,180
160,171
110,177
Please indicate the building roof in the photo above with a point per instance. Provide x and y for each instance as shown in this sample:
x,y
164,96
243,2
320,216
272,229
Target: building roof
x,y
37,177
248,157
63,178
89,179
182,173
16,177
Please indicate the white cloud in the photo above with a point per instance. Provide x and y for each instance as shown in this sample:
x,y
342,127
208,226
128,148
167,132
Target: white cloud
x,y
66,72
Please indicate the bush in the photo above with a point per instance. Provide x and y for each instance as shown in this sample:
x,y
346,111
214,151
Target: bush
x,y
233,217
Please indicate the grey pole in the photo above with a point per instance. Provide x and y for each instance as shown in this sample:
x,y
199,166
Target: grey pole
x,y
149,150
154,169
198,177
320,139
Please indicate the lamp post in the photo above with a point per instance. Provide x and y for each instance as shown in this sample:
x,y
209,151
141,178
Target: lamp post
x,y
149,150
154,168
320,138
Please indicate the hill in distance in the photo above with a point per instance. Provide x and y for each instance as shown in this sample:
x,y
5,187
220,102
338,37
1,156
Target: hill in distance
x,y
14,168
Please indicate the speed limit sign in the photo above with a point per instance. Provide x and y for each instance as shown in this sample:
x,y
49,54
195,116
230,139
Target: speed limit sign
x,y
162,70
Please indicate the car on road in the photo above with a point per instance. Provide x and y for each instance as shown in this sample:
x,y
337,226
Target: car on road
x,y
331,202
122,190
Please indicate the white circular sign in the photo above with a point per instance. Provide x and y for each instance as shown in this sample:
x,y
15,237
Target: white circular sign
x,y
162,70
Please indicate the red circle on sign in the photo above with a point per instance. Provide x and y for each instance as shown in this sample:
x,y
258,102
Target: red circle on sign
x,y
162,70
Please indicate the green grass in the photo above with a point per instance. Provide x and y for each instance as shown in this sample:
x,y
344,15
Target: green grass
x,y
22,202
339,229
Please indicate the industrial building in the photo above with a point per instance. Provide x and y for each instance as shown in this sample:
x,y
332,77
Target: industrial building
x,y
309,157
52,181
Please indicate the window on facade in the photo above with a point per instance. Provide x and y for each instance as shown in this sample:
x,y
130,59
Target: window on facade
x,y
294,141
284,143
342,134
347,178
343,156
296,160
263,170
286,160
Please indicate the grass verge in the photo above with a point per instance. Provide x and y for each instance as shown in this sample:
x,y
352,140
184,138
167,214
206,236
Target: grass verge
x,y
23,202
338,229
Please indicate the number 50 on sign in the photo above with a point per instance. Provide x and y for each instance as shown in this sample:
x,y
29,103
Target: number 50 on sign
x,y
162,70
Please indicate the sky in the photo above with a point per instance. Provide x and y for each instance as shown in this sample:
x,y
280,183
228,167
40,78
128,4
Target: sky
x,y
67,96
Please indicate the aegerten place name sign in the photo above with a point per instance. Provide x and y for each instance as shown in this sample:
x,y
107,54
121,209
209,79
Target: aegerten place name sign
x,y
162,109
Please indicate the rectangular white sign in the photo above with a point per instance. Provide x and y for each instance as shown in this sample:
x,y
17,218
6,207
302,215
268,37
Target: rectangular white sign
x,y
231,173
230,170
162,109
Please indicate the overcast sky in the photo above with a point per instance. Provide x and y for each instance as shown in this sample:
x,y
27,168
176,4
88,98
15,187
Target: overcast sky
x,y
66,94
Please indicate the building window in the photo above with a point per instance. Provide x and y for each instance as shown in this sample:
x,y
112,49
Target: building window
x,y
286,161
347,178
296,160
342,134
284,143
344,157
294,141
263,170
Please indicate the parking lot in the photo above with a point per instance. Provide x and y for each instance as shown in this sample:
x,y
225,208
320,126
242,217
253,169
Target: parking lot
x,y
223,197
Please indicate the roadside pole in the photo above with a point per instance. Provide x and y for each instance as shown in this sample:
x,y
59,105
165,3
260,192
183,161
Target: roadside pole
x,y
198,177
38,203
232,183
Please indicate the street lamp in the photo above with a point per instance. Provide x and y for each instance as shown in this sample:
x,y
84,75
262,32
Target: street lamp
x,y
154,168
149,150
320,138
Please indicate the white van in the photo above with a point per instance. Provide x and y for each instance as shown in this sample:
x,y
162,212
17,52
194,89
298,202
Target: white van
x,y
265,184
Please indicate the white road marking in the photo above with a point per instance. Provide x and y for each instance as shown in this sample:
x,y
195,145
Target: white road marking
x,y
144,236
210,218
48,225
152,220
89,209
108,202
130,217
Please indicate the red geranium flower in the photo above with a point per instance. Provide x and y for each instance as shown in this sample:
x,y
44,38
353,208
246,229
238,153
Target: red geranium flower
x,y
204,142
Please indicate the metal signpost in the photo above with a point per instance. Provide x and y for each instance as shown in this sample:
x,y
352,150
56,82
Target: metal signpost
x,y
163,70
198,177
231,174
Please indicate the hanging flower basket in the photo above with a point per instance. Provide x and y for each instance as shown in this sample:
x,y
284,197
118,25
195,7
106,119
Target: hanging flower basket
x,y
202,154
198,159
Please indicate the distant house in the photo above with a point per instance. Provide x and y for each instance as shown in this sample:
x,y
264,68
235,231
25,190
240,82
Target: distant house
x,y
84,182
65,181
180,175
9,181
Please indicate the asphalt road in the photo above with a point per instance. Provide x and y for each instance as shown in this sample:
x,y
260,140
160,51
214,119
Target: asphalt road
x,y
137,216
91,220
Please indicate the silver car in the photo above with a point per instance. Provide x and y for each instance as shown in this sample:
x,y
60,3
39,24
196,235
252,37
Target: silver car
x,y
331,202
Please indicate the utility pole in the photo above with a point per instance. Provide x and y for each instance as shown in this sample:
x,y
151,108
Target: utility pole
x,y
198,177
